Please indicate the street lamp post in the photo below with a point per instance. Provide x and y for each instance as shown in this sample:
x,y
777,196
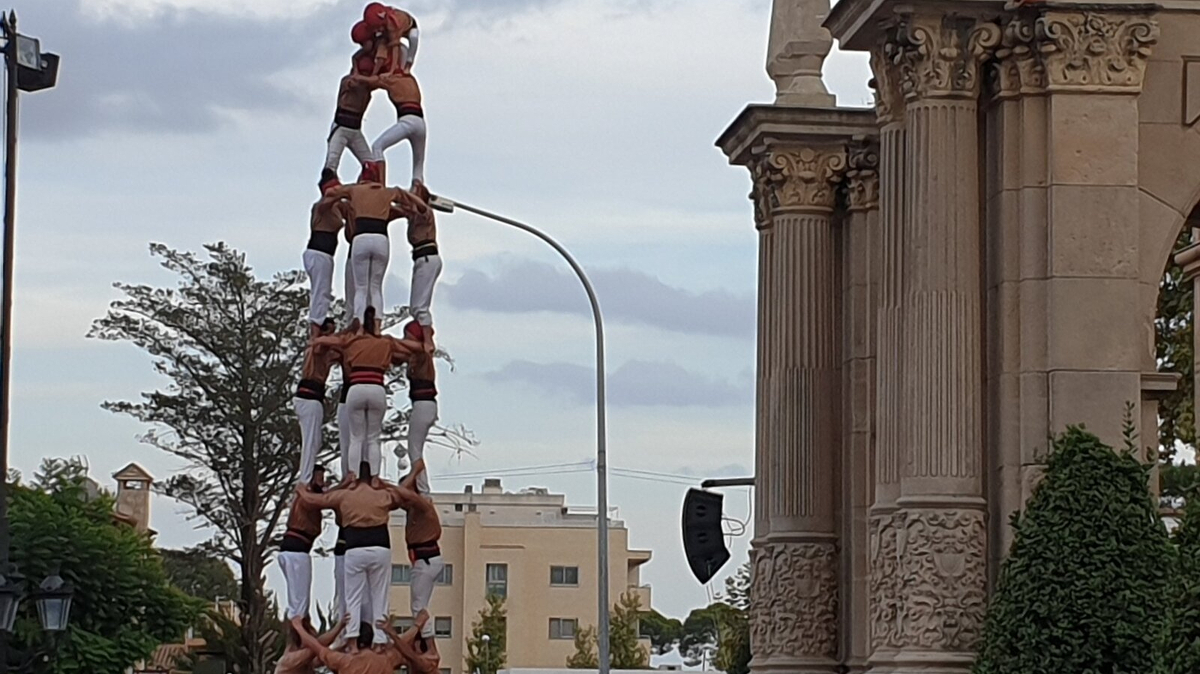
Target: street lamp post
x,y
602,609
27,68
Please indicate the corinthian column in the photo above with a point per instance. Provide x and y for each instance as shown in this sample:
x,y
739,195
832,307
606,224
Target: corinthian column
x,y
942,546
795,593
889,372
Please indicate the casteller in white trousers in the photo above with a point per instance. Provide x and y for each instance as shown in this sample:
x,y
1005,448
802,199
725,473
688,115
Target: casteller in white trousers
x,y
295,559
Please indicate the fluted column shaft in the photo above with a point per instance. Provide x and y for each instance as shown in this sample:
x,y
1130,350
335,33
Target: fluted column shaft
x,y
885,523
940,521
795,590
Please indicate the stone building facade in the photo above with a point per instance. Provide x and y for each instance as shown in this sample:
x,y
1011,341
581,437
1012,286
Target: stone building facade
x,y
945,281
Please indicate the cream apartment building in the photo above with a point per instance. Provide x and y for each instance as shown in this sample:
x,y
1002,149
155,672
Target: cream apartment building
x,y
532,549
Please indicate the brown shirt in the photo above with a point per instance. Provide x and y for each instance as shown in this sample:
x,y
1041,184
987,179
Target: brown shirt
x,y
401,88
366,661
304,517
299,661
317,361
330,217
372,200
423,524
400,22
353,95
360,505
422,228
373,351
420,366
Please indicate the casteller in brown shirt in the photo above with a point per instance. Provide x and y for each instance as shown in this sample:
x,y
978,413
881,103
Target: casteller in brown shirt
x,y
375,205
366,357
360,506
303,527
354,95
404,93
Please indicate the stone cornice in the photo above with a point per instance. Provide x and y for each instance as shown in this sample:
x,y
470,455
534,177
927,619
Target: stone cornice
x,y
761,126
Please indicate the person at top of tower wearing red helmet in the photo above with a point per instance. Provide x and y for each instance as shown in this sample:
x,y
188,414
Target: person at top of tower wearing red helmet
x,y
391,55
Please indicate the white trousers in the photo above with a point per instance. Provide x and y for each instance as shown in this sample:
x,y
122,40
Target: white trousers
x,y
339,584
412,129
319,267
425,272
369,256
420,421
343,423
421,581
365,406
348,286
339,139
297,573
311,414
368,576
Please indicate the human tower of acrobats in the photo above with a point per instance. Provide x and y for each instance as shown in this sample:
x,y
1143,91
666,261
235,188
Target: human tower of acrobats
x,y
364,641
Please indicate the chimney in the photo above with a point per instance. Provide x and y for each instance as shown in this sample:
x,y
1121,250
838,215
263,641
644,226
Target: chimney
x,y
491,485
133,495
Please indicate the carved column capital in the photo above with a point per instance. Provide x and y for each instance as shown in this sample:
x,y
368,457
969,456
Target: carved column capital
x,y
940,57
862,176
889,97
802,179
794,601
1019,68
1097,51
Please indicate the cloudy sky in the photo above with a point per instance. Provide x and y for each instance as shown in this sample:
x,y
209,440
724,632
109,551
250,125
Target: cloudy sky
x,y
194,121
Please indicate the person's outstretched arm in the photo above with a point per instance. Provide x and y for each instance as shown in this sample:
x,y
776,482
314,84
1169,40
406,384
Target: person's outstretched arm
x,y
332,635
314,645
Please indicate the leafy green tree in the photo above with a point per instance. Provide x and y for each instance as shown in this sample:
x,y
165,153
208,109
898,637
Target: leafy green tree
x,y
488,656
664,632
123,605
201,573
1088,583
585,656
230,345
733,625
625,651
1183,642
1173,328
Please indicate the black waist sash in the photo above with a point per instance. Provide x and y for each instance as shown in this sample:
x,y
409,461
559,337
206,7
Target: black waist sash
x,y
325,242
311,389
295,540
370,226
367,537
348,118
422,249
422,389
423,551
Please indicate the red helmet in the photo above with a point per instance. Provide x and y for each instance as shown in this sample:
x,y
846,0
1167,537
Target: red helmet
x,y
412,330
364,65
362,33
375,14
370,172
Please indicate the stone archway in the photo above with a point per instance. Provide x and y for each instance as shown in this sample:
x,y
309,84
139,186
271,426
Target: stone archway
x,y
945,281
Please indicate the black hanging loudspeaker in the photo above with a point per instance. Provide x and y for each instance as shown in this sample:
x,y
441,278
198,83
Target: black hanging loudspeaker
x,y
703,538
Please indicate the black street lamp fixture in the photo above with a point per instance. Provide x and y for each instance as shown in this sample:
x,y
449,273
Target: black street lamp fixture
x,y
53,600
12,590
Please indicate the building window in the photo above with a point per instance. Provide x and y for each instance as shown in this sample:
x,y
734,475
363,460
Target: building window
x,y
402,575
563,628
402,624
497,580
444,670
564,575
443,627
